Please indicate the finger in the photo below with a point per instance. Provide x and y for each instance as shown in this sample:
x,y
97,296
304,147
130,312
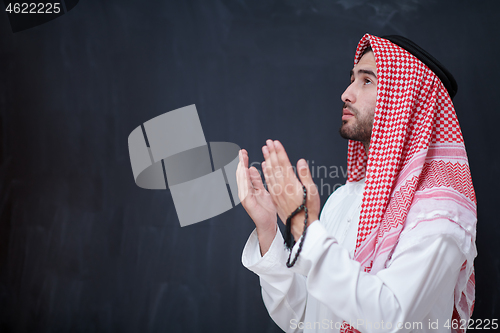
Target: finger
x,y
306,178
263,166
276,167
270,188
245,157
267,167
289,182
242,159
313,199
276,171
256,179
240,164
283,159
266,173
242,178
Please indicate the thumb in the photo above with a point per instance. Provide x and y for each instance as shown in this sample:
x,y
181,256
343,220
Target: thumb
x,y
305,177
313,200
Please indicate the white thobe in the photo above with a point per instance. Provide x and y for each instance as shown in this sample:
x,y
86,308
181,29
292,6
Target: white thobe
x,y
326,286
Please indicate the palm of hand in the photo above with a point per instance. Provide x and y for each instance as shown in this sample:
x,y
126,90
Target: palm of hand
x,y
285,189
254,197
260,202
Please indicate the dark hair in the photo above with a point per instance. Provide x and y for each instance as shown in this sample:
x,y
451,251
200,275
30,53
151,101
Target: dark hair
x,y
365,51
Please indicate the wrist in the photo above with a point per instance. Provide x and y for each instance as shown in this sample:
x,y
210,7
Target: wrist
x,y
298,223
266,236
267,232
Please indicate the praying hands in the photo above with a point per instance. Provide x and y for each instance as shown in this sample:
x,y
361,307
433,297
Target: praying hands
x,y
283,195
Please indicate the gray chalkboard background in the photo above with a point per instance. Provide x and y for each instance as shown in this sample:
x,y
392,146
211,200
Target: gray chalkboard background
x,y
83,249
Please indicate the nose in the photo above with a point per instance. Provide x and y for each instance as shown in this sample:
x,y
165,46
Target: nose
x,y
349,95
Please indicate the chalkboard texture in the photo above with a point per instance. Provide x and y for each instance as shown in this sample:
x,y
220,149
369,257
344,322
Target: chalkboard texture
x,y
83,249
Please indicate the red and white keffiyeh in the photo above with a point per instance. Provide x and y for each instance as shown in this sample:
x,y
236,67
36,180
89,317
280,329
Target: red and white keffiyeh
x,y
416,166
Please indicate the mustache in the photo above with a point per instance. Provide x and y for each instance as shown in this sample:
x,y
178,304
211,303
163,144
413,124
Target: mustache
x,y
350,108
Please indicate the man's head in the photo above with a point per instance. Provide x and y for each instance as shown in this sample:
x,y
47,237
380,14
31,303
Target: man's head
x,y
360,99
416,155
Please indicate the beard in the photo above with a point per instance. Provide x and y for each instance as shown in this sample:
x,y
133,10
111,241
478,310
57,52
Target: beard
x,y
358,128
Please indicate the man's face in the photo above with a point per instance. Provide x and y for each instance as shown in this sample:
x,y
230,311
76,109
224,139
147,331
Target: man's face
x,y
359,101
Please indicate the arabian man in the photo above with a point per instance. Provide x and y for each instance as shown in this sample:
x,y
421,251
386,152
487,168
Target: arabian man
x,y
392,249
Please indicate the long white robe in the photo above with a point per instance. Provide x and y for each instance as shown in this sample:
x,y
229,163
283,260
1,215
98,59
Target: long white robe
x,y
414,293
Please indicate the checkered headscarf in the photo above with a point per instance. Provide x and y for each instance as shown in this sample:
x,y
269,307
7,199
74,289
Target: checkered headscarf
x,y
416,153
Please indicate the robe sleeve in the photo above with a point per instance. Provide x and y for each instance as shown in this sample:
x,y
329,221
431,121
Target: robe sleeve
x,y
403,292
283,291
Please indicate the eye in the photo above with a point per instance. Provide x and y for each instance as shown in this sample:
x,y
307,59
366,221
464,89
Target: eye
x,y
368,81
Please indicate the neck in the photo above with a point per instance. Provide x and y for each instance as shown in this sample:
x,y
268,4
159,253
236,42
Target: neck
x,y
367,146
